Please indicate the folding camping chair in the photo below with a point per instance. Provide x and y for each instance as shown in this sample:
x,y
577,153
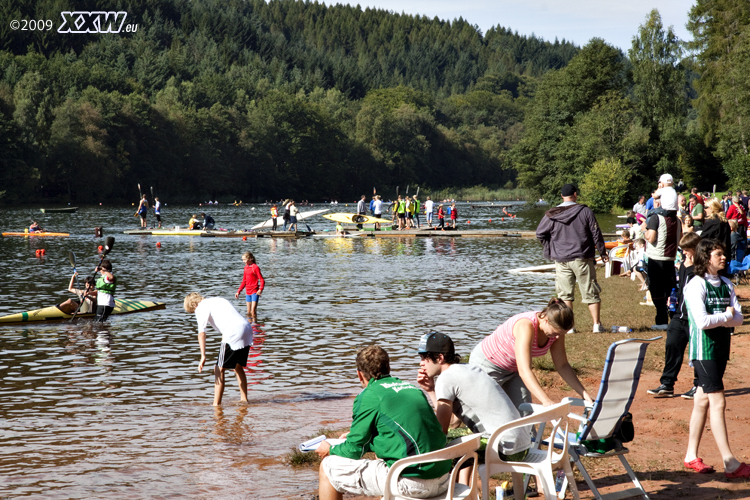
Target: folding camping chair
x,y
622,371
738,270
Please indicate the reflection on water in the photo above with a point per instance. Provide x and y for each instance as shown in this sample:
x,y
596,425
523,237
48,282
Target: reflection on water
x,y
120,410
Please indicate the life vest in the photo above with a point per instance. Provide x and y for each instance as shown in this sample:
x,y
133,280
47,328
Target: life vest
x,y
274,212
104,287
401,207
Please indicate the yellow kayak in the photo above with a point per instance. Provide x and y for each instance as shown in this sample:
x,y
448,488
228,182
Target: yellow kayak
x,y
36,234
356,219
49,314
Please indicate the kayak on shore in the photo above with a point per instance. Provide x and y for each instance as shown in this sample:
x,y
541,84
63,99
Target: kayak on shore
x,y
52,313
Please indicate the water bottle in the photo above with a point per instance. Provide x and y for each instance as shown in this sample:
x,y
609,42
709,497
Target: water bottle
x,y
673,301
499,493
559,480
621,329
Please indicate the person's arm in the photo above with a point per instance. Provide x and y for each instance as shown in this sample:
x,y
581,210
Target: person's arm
x,y
560,359
737,316
650,229
360,435
202,343
261,281
695,296
443,407
70,285
523,331
596,234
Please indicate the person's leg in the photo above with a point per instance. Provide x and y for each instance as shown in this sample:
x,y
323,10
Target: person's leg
x,y
249,305
595,309
697,422
717,406
239,370
565,280
253,308
585,274
326,491
218,384
678,336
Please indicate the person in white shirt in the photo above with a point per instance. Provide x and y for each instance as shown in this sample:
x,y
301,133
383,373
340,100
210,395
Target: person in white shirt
x,y
377,210
428,206
236,339
666,193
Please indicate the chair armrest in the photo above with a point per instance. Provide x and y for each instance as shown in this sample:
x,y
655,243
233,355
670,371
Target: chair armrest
x,y
578,402
532,407
578,417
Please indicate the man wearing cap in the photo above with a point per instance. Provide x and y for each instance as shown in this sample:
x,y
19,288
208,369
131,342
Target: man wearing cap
x,y
394,420
467,392
571,236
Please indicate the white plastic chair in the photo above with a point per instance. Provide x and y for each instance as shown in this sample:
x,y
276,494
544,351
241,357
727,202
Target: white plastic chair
x,y
465,447
540,463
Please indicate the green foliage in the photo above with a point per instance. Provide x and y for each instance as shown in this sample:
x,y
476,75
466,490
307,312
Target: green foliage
x,y
605,185
737,169
261,99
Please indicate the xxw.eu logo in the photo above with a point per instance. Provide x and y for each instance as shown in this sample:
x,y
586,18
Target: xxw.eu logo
x,y
95,22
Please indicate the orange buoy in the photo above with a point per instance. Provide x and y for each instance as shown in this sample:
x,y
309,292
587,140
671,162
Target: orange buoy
x,y
468,222
37,252
100,248
502,218
158,244
43,251
490,220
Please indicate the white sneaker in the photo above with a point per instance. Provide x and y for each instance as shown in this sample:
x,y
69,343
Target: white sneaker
x,y
598,328
659,327
572,330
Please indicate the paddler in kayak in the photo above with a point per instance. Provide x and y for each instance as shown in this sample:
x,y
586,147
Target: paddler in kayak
x,y
35,227
106,285
88,295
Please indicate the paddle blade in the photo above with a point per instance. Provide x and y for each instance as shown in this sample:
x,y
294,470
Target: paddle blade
x,y
110,242
152,191
396,191
72,258
374,191
407,189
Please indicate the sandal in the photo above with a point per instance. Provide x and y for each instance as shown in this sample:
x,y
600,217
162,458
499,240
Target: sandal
x,y
742,471
698,466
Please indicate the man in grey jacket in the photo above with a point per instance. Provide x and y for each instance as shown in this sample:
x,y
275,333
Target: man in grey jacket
x,y
570,235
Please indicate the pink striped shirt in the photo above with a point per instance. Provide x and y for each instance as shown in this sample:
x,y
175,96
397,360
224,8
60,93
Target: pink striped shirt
x,y
500,347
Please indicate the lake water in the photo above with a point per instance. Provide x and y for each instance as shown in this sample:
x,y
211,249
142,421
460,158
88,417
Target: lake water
x,y
119,410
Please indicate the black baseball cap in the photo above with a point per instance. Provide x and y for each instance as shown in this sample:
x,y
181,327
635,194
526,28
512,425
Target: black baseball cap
x,y
568,190
436,342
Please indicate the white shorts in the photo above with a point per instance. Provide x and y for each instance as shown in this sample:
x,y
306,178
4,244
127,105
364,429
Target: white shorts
x,y
367,477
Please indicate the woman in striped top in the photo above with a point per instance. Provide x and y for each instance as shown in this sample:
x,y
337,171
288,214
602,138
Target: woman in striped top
x,y
506,354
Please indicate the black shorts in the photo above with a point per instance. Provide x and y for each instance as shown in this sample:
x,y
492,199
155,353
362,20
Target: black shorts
x,y
409,216
230,359
402,216
158,217
378,216
710,374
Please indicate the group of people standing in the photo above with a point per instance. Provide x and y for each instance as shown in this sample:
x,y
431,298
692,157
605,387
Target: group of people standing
x,y
705,309
142,211
289,216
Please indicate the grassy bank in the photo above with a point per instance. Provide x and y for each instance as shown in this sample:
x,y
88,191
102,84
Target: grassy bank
x,y
477,193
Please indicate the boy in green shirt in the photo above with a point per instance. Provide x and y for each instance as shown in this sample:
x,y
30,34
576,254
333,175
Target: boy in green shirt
x,y
393,419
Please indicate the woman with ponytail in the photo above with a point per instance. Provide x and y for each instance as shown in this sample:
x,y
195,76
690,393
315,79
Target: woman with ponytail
x,y
506,354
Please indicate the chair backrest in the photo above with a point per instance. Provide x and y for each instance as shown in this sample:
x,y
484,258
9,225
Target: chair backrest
x,y
622,372
556,413
466,445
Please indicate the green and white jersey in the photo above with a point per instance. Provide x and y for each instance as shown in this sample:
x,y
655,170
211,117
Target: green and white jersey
x,y
710,325
393,419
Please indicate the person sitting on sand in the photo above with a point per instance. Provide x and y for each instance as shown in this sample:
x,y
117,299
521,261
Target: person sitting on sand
x,y
394,420
88,294
713,309
506,354
467,392
236,339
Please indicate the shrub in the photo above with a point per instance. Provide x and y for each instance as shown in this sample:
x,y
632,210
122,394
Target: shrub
x,y
605,185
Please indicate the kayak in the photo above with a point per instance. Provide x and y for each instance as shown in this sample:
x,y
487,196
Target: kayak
x,y
280,220
68,210
356,219
36,234
185,232
48,314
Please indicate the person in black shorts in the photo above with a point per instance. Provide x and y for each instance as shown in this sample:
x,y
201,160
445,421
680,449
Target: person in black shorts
x,y
236,339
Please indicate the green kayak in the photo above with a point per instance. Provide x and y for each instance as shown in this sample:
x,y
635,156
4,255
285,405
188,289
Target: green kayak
x,y
48,314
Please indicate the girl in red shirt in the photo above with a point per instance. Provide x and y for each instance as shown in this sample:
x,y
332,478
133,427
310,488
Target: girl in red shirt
x,y
253,283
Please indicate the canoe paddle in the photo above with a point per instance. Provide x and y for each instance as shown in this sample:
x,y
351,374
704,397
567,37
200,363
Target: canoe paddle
x,y
109,243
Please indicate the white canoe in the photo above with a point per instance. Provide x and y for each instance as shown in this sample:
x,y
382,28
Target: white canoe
x,y
300,216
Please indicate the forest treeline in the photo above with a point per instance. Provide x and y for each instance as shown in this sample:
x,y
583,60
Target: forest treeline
x,y
212,98
262,100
